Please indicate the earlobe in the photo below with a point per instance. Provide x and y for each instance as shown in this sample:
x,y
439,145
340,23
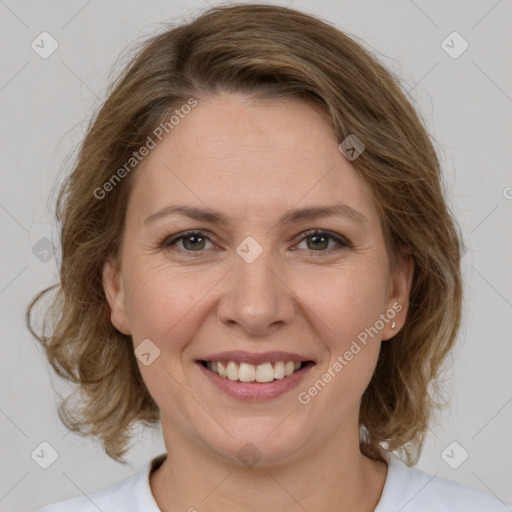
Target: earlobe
x,y
114,293
398,300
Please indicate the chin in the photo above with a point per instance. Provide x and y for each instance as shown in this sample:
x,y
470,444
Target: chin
x,y
260,442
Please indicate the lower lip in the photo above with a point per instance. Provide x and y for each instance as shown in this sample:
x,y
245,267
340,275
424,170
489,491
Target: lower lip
x,y
256,390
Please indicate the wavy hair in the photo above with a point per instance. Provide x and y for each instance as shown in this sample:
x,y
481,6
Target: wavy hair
x,y
265,52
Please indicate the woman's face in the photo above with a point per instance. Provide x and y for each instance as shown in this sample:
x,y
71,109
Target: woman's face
x,y
256,284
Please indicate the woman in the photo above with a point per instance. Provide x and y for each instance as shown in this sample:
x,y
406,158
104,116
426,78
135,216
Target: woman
x,y
257,255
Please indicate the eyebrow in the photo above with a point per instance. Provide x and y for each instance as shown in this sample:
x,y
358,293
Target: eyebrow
x,y
308,213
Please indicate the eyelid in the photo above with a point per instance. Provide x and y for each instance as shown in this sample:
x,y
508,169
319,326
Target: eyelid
x,y
342,241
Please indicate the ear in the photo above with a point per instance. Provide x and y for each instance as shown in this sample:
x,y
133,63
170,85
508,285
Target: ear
x,y
114,291
399,288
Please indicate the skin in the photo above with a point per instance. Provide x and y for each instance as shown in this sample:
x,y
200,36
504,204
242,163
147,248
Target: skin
x,y
253,161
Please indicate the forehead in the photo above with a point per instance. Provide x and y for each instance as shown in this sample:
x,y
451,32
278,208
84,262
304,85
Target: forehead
x,y
242,156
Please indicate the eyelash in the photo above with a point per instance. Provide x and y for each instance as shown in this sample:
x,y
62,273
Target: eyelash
x,y
342,242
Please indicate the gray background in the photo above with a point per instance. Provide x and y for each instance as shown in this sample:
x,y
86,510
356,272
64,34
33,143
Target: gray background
x,y
45,105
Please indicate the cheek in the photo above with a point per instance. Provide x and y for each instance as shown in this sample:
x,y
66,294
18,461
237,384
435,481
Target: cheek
x,y
162,303
346,306
346,300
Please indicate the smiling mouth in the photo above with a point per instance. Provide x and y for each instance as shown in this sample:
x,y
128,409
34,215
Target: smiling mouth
x,y
246,372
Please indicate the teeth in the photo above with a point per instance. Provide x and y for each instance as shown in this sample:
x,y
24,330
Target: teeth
x,y
232,371
279,370
221,369
264,372
245,372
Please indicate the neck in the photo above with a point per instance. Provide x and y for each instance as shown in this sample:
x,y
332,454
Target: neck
x,y
331,478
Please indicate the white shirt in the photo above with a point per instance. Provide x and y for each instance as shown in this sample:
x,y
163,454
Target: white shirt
x,y
405,490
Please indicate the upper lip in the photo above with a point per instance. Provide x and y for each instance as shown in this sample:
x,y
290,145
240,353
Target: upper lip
x,y
241,356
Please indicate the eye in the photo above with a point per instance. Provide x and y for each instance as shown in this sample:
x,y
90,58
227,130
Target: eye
x,y
317,241
192,241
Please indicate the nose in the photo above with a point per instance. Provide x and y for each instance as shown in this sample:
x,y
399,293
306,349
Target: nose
x,y
256,298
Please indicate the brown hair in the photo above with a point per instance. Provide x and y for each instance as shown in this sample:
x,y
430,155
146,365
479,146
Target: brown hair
x,y
265,52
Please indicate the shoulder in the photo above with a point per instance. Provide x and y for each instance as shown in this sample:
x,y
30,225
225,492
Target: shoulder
x,y
132,494
118,496
455,497
413,490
